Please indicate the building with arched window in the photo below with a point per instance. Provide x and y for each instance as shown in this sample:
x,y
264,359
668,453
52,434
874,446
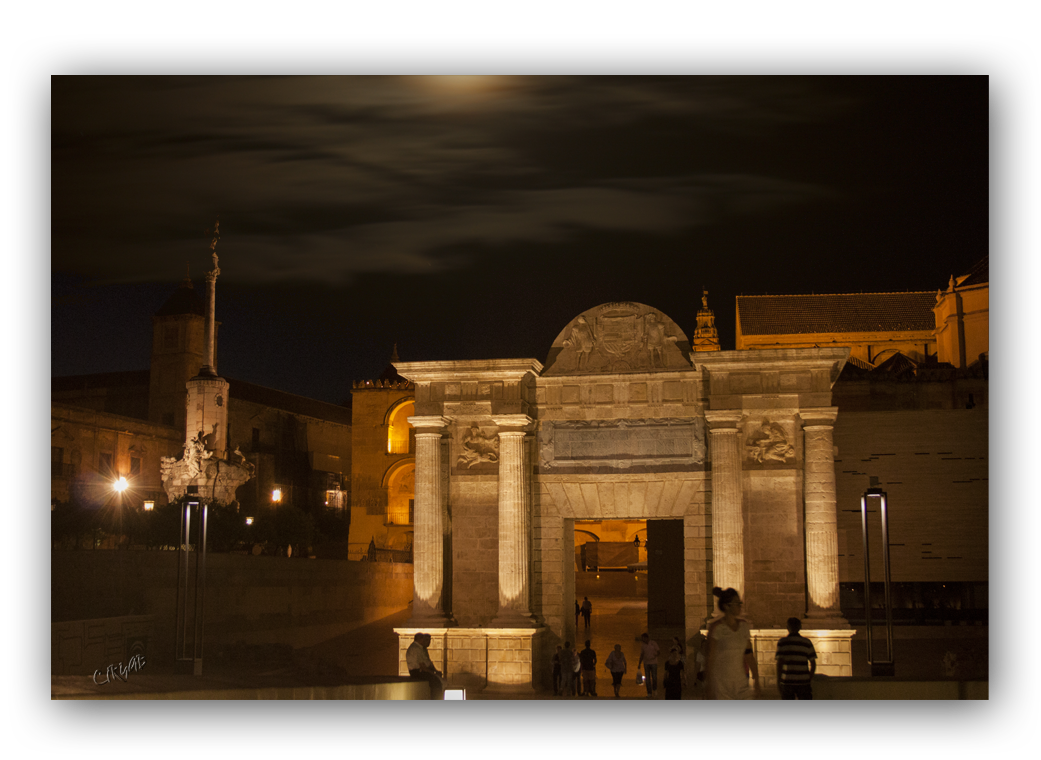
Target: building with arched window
x,y
383,465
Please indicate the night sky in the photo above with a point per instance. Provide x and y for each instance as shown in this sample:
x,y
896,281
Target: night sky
x,y
473,217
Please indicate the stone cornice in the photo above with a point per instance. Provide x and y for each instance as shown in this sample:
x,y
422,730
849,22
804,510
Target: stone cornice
x,y
428,424
507,423
823,416
723,420
760,359
455,371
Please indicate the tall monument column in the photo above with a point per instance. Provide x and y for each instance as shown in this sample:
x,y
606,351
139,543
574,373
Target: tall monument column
x,y
514,524
728,527
205,467
207,407
210,368
822,538
428,537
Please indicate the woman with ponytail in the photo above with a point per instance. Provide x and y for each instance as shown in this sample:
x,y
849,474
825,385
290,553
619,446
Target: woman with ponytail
x,y
730,656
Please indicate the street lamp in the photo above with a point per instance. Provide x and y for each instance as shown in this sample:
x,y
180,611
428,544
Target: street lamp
x,y
878,667
120,485
276,495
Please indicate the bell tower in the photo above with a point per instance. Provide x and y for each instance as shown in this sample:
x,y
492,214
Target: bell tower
x,y
178,353
706,338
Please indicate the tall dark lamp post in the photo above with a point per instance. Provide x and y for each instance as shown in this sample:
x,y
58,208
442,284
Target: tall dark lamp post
x,y
191,584
879,667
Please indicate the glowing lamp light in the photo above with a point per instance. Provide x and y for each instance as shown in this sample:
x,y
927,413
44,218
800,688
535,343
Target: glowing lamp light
x,y
149,506
120,485
249,521
276,495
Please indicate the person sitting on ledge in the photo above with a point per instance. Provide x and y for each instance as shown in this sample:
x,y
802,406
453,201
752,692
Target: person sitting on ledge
x,y
417,659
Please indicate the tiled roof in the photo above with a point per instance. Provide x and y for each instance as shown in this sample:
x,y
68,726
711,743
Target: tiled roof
x,y
978,275
836,313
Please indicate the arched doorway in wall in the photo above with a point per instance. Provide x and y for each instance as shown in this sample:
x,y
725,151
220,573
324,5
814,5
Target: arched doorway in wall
x,y
401,437
400,485
630,591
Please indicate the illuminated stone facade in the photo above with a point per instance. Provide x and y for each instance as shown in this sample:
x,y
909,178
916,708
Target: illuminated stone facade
x,y
383,464
622,423
962,313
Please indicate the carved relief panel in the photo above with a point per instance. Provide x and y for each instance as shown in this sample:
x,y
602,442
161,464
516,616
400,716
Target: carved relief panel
x,y
769,443
477,449
619,337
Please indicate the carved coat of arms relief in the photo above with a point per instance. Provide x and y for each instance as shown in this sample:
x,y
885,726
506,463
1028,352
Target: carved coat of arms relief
x,y
619,337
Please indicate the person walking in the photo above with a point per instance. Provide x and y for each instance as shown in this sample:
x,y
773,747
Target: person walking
x,y
557,673
567,670
587,658
617,666
675,675
678,643
587,611
730,656
796,663
649,659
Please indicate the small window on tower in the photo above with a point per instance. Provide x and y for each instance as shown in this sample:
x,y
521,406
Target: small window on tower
x,y
170,337
105,464
135,465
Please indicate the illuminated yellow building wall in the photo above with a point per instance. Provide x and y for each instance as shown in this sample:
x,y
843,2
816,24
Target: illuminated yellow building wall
x,y
382,465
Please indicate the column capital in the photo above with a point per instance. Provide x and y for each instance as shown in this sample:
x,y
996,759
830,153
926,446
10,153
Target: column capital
x,y
724,419
430,424
823,416
513,423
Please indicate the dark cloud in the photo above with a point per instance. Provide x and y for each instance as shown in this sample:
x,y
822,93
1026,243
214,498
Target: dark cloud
x,y
368,210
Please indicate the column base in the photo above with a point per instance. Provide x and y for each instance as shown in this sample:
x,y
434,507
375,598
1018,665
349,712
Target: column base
x,y
514,620
828,620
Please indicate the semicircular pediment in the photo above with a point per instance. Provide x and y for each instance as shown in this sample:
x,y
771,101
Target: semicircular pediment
x,y
615,337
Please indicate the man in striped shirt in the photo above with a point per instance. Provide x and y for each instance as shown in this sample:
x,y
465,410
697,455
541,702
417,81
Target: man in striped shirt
x,y
796,663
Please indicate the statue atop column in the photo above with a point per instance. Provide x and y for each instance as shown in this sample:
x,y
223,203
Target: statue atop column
x,y
205,464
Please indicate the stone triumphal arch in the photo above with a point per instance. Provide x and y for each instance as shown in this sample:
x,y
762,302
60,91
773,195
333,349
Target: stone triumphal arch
x,y
729,452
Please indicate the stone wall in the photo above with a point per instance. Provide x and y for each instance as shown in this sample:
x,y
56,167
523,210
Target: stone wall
x,y
256,600
933,466
834,653
475,549
84,435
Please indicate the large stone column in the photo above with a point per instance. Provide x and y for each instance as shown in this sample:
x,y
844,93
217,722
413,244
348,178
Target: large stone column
x,y
428,537
728,526
822,537
514,524
210,368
